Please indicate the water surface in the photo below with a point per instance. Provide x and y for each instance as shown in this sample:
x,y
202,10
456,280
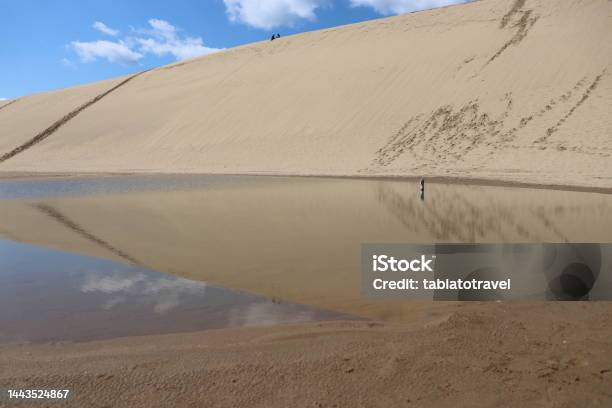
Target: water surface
x,y
295,240
51,296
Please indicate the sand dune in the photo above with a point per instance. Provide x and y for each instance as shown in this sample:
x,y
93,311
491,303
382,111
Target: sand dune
x,y
22,119
509,90
5,103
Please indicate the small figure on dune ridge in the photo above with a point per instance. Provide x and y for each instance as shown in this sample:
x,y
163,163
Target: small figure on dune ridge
x,y
274,37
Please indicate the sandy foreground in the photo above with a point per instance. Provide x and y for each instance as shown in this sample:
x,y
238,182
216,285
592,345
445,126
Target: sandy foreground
x,y
495,89
482,355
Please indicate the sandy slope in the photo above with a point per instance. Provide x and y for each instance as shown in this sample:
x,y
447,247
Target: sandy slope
x,y
511,90
22,118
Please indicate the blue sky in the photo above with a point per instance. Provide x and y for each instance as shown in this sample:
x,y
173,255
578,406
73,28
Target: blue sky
x,y
47,44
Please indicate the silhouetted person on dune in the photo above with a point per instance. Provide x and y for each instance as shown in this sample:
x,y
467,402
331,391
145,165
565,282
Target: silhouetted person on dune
x,y
274,37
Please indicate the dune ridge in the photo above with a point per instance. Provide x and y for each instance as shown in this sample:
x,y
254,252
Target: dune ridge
x,y
54,127
514,91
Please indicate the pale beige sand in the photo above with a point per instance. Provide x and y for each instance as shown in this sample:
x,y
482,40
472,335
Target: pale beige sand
x,y
21,119
501,355
496,89
5,103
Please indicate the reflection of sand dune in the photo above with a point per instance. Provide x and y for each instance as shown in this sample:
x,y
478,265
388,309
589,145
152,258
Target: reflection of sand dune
x,y
467,214
491,89
300,240
62,219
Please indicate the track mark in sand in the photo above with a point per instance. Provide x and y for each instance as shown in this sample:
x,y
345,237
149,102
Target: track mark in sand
x,y
587,93
55,126
509,136
523,25
7,104
62,219
448,133
518,4
445,134
403,139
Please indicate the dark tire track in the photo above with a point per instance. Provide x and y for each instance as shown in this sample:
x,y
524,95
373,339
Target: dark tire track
x,y
518,4
62,219
9,103
58,124
523,25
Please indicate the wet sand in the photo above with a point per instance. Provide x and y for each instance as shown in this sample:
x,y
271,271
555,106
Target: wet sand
x,y
483,355
8,175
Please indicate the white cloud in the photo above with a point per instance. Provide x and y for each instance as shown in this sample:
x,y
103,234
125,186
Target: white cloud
x,y
3,99
163,29
160,39
67,63
104,29
111,284
267,14
111,51
165,40
163,293
266,314
402,6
